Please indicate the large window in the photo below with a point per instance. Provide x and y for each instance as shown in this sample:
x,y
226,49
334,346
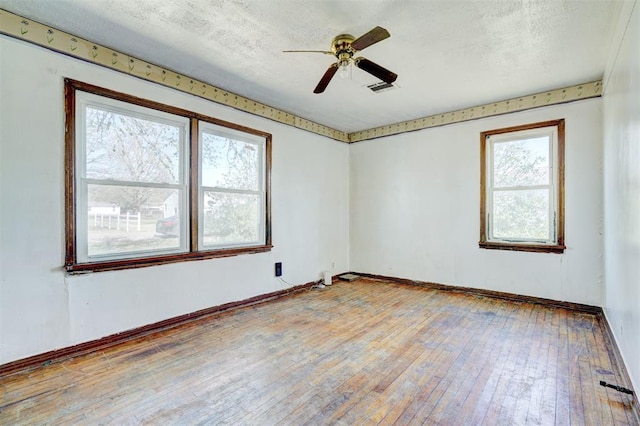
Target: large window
x,y
148,183
522,188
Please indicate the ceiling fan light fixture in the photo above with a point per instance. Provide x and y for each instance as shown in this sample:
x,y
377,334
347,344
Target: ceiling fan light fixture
x,y
345,72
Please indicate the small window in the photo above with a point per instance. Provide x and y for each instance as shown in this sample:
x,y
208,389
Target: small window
x,y
522,188
148,183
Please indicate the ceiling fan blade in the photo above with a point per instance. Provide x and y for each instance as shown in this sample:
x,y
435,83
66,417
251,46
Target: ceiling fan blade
x,y
375,35
326,52
376,70
326,78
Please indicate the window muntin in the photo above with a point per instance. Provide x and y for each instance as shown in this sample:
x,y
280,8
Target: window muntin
x,y
133,191
521,179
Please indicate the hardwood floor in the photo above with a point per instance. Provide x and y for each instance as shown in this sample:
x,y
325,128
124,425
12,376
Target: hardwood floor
x,y
366,352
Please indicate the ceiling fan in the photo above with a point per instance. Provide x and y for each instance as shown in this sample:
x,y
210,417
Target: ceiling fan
x,y
343,47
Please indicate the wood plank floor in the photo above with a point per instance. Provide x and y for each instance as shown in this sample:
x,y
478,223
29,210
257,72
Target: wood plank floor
x,y
366,352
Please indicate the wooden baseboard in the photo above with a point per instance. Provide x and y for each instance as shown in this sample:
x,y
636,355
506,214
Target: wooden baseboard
x,y
614,352
59,355
490,293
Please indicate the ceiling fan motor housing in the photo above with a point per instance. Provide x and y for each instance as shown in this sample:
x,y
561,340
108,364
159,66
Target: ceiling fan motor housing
x,y
341,48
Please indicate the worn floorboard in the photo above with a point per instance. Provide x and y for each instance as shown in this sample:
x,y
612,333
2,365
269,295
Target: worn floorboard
x,y
365,352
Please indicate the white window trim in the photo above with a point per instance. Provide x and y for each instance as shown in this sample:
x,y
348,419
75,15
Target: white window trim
x,y
84,100
552,133
260,143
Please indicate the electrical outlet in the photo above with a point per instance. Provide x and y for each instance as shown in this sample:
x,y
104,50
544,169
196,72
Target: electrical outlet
x,y
278,269
333,266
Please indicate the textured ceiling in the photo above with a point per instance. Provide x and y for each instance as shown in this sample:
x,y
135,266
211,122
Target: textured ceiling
x,y
448,54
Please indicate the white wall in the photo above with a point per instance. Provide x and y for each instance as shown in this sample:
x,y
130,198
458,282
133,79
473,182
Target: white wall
x,y
622,190
415,201
409,205
42,309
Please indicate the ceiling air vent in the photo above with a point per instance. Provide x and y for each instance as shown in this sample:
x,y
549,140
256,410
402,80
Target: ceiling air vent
x,y
381,87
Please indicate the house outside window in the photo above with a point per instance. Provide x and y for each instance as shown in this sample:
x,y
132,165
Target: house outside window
x,y
148,183
522,188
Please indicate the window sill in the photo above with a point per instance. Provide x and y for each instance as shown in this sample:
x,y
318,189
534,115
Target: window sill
x,y
111,265
536,248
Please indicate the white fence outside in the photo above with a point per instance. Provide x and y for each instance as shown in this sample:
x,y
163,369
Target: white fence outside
x,y
126,222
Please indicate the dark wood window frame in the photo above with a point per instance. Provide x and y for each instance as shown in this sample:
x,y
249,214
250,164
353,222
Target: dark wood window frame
x,y
559,245
71,258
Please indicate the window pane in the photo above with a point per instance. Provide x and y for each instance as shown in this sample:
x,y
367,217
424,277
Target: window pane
x,y
231,218
229,163
521,214
127,148
123,219
521,163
